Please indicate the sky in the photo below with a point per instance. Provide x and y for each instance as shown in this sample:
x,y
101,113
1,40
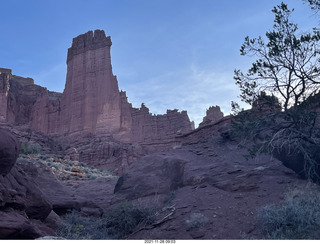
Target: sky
x,y
168,54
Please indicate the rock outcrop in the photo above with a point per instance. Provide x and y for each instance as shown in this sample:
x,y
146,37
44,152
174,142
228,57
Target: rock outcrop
x,y
213,114
209,178
23,207
90,104
9,151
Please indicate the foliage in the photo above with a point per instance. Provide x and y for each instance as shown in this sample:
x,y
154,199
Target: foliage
x,y
197,220
30,148
125,217
118,222
314,4
288,65
298,217
280,86
77,227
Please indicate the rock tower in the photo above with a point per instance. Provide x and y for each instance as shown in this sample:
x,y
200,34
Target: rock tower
x,y
91,101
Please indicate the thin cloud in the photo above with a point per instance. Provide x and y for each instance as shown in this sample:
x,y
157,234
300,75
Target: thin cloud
x,y
192,89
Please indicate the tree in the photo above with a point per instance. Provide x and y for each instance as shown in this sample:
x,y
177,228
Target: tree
x,y
287,74
314,4
288,65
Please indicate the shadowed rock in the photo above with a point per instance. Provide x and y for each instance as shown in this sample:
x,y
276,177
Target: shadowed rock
x,y
9,151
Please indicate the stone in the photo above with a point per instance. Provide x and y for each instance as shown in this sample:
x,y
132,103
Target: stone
x,y
151,175
23,206
61,197
25,194
52,220
91,104
295,160
9,151
213,115
50,238
16,226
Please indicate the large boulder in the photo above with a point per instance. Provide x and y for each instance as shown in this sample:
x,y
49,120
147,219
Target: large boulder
x,y
9,151
14,225
294,159
62,197
23,206
151,175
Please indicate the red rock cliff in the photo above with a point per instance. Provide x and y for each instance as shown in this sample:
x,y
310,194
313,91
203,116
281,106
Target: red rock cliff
x,y
91,101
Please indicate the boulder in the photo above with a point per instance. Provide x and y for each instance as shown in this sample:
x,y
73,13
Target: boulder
x,y
25,194
9,151
293,159
52,220
62,197
151,175
14,225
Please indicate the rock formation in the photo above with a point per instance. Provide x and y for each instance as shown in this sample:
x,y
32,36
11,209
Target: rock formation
x,y
213,115
23,206
91,101
9,151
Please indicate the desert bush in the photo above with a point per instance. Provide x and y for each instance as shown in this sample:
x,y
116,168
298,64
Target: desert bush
x,y
125,217
30,148
197,220
298,217
77,227
118,222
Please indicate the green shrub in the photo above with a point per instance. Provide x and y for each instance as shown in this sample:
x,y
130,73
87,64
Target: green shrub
x,y
298,217
125,217
197,220
117,223
30,148
77,227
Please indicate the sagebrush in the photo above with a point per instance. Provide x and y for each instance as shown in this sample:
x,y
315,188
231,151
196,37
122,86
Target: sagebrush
x,y
298,217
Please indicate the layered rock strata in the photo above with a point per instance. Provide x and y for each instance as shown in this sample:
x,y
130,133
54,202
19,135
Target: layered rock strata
x,y
91,101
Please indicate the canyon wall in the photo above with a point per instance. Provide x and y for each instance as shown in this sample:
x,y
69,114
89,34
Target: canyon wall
x,y
91,101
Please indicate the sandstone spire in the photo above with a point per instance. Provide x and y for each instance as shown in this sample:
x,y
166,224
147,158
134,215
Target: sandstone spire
x,y
91,97
91,101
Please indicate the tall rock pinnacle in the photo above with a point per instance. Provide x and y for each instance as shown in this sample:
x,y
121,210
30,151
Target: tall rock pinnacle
x,y
91,97
91,101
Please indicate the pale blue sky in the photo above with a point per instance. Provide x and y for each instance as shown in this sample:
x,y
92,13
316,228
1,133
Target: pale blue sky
x,y
166,53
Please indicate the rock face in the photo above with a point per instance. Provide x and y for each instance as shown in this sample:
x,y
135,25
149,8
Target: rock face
x,y
213,180
213,115
157,175
91,101
9,151
4,89
23,206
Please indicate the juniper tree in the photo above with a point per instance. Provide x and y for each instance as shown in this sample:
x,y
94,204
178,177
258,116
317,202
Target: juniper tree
x,y
288,65
287,68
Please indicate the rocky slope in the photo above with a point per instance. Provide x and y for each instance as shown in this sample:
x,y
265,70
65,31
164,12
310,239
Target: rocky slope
x,y
210,179
203,189
198,182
